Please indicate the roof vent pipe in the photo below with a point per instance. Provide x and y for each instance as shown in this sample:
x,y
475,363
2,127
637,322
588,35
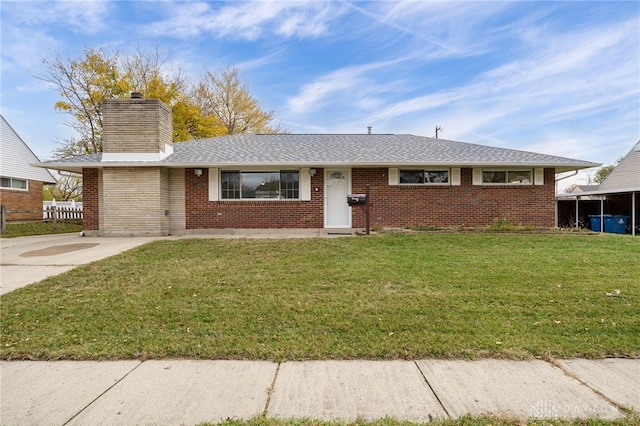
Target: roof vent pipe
x,y
369,130
137,95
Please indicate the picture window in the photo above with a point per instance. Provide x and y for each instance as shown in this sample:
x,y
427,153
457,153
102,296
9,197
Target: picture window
x,y
240,185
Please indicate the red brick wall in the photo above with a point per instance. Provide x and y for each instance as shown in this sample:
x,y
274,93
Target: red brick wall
x,y
90,200
392,206
465,205
30,201
204,214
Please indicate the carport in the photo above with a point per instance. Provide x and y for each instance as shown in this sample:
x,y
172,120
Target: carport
x,y
599,203
617,194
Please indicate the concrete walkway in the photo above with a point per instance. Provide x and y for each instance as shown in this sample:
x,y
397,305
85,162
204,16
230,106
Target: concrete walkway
x,y
27,260
175,392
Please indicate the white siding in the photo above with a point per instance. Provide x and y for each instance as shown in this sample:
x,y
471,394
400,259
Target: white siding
x,y
15,157
626,175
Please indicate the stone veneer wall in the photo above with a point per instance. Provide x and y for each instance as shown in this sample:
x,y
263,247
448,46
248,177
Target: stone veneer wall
x,y
136,126
177,213
135,201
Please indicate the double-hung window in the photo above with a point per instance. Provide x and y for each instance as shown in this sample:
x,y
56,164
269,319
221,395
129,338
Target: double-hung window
x,y
13,183
423,177
279,184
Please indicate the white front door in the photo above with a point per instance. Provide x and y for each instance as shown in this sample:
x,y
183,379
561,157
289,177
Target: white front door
x,y
337,213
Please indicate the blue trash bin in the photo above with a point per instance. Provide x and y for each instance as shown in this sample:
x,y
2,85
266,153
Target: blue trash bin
x,y
595,222
610,225
618,225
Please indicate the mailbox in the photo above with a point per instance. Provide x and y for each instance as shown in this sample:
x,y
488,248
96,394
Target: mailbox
x,y
356,199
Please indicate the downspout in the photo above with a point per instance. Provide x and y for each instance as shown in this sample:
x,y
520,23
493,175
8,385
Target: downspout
x,y
565,177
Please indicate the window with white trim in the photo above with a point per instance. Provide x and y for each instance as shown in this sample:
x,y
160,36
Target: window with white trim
x,y
423,177
507,177
277,184
13,183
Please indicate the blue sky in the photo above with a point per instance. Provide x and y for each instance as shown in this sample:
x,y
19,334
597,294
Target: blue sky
x,y
561,78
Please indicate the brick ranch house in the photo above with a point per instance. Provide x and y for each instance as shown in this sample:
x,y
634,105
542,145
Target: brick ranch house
x,y
143,184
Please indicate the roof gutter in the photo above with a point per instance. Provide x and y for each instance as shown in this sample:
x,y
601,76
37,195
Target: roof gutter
x,y
77,167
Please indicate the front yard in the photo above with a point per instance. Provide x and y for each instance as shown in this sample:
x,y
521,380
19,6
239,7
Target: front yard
x,y
409,296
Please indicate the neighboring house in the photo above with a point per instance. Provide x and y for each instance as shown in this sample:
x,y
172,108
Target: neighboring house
x,y
582,188
143,184
619,192
21,184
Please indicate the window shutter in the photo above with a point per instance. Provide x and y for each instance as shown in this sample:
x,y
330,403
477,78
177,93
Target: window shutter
x,y
455,176
305,184
214,187
477,176
394,176
538,178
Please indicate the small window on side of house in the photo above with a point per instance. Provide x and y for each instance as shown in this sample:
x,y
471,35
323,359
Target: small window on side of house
x,y
423,177
507,177
13,183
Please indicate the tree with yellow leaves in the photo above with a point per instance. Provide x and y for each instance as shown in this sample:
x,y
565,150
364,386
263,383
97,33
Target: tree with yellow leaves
x,y
220,104
223,96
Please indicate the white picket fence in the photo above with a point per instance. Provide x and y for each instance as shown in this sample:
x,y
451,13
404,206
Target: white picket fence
x,y
64,210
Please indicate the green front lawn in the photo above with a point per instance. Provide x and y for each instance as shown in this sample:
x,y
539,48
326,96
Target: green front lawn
x,y
409,296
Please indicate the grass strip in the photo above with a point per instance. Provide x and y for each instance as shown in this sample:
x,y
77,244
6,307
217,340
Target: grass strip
x,y
39,228
632,419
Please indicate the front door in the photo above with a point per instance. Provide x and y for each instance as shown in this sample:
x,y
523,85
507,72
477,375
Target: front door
x,y
337,213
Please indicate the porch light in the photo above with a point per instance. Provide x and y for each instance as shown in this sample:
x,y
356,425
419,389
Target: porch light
x,y
312,172
197,172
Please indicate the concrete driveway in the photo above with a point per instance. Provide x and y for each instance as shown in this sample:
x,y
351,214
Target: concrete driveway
x,y
26,260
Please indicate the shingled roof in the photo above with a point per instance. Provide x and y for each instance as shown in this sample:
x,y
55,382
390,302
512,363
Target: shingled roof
x,y
322,150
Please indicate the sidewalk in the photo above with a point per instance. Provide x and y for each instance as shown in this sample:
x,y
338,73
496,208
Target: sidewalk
x,y
173,392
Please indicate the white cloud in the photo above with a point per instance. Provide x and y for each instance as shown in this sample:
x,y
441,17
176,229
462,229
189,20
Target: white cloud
x,y
351,83
439,28
85,17
561,82
247,20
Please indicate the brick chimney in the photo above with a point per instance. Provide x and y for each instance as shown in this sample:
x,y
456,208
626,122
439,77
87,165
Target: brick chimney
x,y
136,129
